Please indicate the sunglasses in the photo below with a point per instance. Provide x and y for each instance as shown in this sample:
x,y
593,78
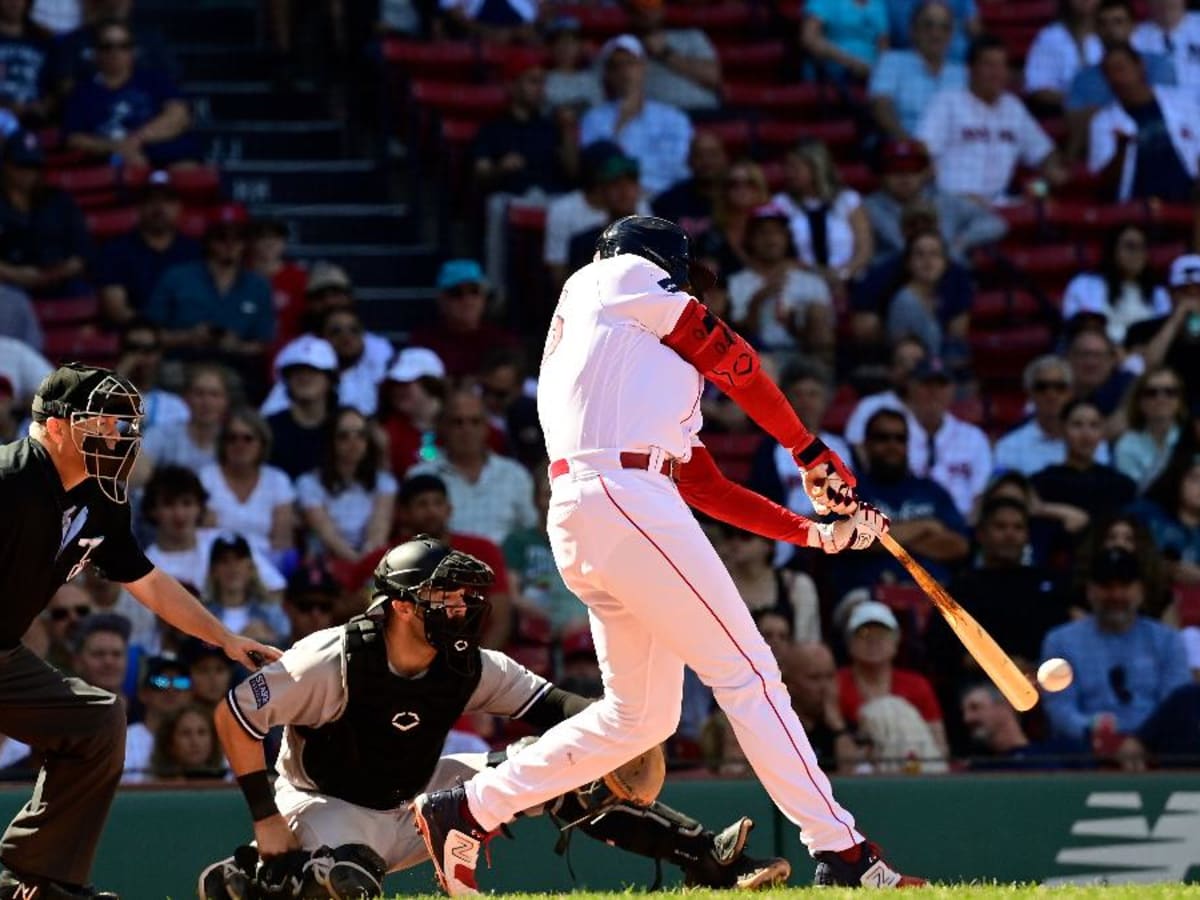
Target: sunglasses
x,y
240,437
888,437
1160,391
62,612
307,606
1117,680
169,682
1041,387
345,433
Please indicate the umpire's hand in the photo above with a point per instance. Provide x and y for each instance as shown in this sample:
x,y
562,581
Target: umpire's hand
x,y
249,652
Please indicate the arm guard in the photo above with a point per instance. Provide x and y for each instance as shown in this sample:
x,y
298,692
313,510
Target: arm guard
x,y
554,706
704,487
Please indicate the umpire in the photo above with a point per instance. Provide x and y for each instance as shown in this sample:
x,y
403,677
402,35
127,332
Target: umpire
x,y
64,499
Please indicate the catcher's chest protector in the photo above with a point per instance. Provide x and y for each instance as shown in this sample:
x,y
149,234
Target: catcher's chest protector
x,y
383,749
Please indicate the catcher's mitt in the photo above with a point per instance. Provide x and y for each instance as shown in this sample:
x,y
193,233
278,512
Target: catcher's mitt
x,y
637,782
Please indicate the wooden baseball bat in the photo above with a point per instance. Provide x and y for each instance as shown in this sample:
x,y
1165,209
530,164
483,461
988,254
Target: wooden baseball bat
x,y
1015,687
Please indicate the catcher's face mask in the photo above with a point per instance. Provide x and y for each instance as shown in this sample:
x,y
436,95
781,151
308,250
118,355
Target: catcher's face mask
x,y
453,617
107,432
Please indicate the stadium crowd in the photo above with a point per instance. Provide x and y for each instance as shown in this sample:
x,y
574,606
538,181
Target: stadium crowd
x,y
978,280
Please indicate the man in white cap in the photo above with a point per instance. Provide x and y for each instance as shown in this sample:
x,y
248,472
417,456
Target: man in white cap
x,y
656,135
412,398
1173,340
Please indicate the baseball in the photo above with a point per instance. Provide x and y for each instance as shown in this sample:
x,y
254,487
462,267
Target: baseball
x,y
1055,674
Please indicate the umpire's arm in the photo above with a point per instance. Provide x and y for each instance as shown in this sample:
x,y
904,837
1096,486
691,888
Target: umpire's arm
x,y
171,602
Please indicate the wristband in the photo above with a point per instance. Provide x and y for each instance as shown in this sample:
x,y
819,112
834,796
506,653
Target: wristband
x,y
256,787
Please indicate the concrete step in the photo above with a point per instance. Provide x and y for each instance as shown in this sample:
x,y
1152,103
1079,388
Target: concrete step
x,y
377,265
257,140
256,182
216,101
396,311
229,23
211,62
327,223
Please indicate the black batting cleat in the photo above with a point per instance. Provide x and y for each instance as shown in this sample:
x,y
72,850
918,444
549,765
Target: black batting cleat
x,y
727,865
452,837
862,865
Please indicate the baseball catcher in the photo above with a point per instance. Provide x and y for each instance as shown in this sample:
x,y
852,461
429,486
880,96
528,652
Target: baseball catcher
x,y
366,708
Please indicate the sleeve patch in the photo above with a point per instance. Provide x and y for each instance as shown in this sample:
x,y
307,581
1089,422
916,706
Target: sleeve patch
x,y
260,689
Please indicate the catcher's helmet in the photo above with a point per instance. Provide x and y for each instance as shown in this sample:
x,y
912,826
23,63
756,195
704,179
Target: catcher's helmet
x,y
663,243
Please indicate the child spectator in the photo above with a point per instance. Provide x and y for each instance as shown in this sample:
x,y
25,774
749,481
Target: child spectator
x,y
185,747
234,593
163,690
210,670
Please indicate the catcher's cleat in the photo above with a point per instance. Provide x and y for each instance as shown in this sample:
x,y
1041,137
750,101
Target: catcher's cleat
x,y
17,887
862,865
727,865
452,837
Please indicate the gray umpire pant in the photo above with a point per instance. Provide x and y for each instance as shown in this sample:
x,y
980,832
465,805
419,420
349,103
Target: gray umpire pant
x,y
79,733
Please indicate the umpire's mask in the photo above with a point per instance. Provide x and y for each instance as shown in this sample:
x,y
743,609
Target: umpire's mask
x,y
448,589
104,411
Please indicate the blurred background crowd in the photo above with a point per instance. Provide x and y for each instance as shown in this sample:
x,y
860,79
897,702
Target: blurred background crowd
x,y
325,240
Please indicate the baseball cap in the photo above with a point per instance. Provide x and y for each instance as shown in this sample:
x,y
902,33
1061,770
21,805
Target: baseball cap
x,y
193,650
1115,564
114,623
1185,270
931,368
416,485
326,276
626,42
416,362
23,149
307,350
313,578
156,667
459,271
617,166
71,387
229,542
904,156
871,612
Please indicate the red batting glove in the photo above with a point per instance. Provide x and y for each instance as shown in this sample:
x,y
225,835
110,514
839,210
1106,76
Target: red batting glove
x,y
828,481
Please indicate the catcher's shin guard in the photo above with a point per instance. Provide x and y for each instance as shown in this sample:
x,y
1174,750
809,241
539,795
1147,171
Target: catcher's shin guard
x,y
231,878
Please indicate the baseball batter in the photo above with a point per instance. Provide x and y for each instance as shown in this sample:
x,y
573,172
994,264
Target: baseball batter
x,y
619,402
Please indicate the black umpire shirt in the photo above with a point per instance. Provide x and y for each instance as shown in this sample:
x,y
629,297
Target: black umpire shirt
x,y
48,536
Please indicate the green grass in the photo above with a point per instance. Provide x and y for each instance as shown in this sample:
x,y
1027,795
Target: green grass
x,y
933,892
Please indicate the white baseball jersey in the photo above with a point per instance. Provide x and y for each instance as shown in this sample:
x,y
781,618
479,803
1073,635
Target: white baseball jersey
x,y
1054,58
976,145
1181,115
607,381
961,458
1181,45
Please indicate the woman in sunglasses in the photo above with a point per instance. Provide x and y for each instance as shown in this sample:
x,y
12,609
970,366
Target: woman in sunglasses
x,y
163,689
1155,411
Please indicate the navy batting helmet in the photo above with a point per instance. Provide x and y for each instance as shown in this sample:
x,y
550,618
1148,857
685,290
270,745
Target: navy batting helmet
x,y
663,243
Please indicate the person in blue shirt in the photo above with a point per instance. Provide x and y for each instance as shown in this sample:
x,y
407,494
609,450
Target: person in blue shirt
x,y
1125,664
24,86
967,24
924,517
845,36
130,266
1089,91
128,113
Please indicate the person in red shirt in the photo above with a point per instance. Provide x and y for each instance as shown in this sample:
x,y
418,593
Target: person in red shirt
x,y
410,400
265,254
872,639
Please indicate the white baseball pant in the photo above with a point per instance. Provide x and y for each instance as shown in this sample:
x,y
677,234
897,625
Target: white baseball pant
x,y
659,599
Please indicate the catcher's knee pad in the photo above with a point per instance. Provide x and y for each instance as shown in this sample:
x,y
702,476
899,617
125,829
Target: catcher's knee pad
x,y
231,878
347,872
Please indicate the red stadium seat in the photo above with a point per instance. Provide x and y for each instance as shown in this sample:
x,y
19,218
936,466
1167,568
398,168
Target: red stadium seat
x,y
59,311
718,19
1022,218
193,222
597,21
734,134
539,660
1002,355
478,102
1162,255
499,56
837,133
533,629
907,601
1017,38
1003,307
103,224
792,99
449,60
91,179
197,184
1187,604
1005,409
756,61
1083,219
859,176
532,218
1022,12
73,342
734,453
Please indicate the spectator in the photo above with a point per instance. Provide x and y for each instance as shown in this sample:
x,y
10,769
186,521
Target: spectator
x,y
579,210
978,135
132,264
782,307
995,731
499,22
24,65
690,203
1155,413
1060,50
537,585
808,388
349,501
235,594
363,358
462,335
1173,32
570,83
619,196
410,401
128,111
722,246
74,54
164,688
775,628
426,509
845,36
70,605
1171,513
810,675
245,494
1038,443
18,319
43,238
213,306
872,640
492,496
904,81
897,738
829,225
655,134
682,67
10,421
1080,481
1096,374
140,360
209,669
924,517
906,182
307,369
266,254
310,601
101,651
185,747
967,26
512,412
1125,665
328,287
767,589
1170,736
907,354
1173,339
941,446
1114,26
926,304
1144,143
1124,292
206,393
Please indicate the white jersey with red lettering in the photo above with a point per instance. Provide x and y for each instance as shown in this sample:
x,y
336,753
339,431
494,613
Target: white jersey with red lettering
x,y
628,546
